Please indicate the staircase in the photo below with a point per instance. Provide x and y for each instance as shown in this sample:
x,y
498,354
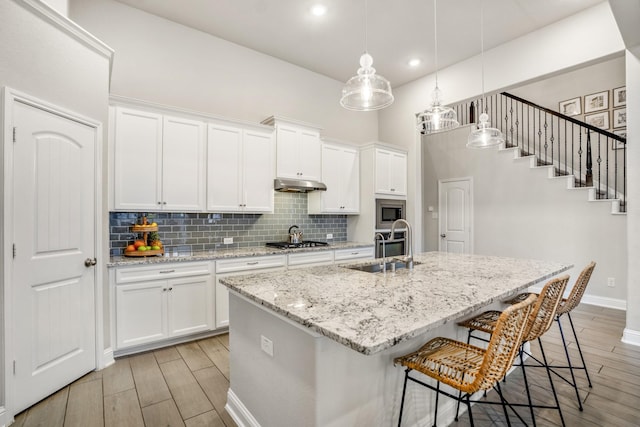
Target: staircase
x,y
567,147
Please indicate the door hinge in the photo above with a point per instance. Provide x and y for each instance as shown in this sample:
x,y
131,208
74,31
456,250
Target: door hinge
x,y
14,367
14,250
14,134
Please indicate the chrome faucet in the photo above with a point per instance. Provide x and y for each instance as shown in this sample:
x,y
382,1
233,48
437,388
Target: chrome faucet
x,y
407,258
384,255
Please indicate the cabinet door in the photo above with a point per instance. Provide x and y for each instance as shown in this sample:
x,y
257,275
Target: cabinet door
x,y
382,171
398,174
287,159
222,305
224,177
332,175
351,181
309,155
183,177
140,313
258,171
137,160
190,302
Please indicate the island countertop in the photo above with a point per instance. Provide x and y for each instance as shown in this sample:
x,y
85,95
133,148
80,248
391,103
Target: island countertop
x,y
370,312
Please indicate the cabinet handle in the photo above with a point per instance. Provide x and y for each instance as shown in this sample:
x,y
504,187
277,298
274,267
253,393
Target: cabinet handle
x,y
170,289
164,289
159,202
355,253
167,271
253,263
392,189
164,203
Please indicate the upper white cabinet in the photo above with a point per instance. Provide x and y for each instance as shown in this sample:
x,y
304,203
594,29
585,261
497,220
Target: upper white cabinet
x,y
341,175
158,162
240,169
297,149
390,172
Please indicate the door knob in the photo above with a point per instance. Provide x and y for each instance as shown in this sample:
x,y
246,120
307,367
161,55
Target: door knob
x,y
89,262
443,235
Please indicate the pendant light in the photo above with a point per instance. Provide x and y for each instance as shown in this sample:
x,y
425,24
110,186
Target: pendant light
x,y
367,90
438,117
484,136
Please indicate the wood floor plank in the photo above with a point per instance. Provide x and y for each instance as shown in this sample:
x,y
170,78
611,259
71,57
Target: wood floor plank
x,y
193,356
215,386
122,409
150,383
117,377
166,354
218,353
189,397
163,414
224,340
85,404
208,419
49,412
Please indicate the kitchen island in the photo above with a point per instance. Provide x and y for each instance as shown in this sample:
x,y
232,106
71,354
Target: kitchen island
x,y
315,347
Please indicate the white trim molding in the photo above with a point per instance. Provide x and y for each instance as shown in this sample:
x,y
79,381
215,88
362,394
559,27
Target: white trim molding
x,y
629,336
615,303
238,412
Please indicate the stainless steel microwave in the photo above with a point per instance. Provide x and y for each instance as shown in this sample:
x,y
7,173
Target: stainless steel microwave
x,y
389,210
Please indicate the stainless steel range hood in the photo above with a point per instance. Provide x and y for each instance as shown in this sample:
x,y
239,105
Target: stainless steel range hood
x,y
297,185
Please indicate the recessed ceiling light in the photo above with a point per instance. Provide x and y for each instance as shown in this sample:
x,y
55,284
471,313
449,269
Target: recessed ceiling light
x,y
319,9
414,62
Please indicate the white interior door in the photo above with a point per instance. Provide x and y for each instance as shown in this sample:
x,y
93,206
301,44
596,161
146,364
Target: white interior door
x,y
53,309
455,205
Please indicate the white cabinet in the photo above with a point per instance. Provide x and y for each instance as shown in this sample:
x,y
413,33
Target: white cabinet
x,y
390,172
158,162
341,175
155,303
297,149
237,267
344,255
308,259
240,169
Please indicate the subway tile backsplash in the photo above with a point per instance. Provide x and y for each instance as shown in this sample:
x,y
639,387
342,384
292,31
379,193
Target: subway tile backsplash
x,y
205,231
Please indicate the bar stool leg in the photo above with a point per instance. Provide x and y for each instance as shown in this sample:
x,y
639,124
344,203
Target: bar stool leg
x,y
553,389
566,352
404,390
586,371
526,385
435,412
504,404
469,410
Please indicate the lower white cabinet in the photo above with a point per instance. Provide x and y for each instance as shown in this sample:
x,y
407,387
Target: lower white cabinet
x,y
344,255
154,303
237,267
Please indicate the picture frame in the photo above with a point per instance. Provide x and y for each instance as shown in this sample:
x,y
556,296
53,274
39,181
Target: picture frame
x,y
596,102
619,96
570,107
599,120
619,118
617,145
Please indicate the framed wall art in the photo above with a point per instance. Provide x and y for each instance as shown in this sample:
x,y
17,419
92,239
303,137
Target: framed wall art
x,y
620,96
599,120
570,107
617,145
619,118
596,102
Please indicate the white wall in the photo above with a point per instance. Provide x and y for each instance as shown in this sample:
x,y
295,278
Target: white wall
x,y
164,62
518,211
61,6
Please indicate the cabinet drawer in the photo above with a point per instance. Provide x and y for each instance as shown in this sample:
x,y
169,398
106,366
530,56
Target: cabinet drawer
x,y
250,263
355,253
164,271
310,258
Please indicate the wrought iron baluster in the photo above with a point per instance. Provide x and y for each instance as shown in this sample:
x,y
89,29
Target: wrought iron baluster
x,y
580,157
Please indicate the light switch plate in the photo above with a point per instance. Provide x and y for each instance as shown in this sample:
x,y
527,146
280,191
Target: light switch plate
x,y
266,345
228,240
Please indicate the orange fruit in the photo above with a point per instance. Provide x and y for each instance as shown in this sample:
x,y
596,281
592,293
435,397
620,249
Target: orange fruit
x,y
130,248
138,243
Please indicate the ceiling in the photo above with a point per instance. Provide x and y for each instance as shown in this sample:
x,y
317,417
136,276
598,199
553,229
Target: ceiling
x,y
397,30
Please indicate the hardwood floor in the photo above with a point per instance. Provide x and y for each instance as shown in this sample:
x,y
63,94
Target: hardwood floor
x,y
186,385
183,385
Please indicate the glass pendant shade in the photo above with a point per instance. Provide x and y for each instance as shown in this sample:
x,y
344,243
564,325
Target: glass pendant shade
x,y
484,136
367,90
438,117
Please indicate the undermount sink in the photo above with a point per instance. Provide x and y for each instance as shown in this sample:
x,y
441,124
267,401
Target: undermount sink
x,y
378,267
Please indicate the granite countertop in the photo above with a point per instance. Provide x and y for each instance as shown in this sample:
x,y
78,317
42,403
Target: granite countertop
x,y
370,312
120,261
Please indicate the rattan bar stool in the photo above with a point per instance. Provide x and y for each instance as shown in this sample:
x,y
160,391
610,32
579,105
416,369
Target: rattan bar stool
x,y
566,306
540,319
468,368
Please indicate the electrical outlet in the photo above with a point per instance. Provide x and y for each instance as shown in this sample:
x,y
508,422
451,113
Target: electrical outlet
x,y
266,345
228,240
611,282
329,236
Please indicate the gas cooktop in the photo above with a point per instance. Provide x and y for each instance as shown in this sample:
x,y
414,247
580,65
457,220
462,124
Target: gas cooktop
x,y
287,245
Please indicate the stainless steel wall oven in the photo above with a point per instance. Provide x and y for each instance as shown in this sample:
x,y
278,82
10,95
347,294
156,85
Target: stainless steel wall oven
x,y
387,211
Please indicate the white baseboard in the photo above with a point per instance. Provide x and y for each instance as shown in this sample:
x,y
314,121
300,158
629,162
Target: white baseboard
x,y
3,417
618,304
630,336
238,412
107,358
